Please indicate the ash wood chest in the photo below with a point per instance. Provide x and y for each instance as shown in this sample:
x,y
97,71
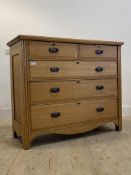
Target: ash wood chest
x,y
64,86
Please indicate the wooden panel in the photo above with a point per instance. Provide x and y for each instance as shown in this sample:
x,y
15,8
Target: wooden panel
x,y
98,51
63,90
74,128
41,116
119,123
13,67
17,85
71,69
45,49
21,123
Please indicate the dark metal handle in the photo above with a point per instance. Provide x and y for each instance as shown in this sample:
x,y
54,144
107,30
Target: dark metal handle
x,y
55,114
99,109
99,69
99,87
98,52
54,90
53,50
54,69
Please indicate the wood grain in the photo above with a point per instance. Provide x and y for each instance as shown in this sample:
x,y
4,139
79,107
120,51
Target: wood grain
x,y
71,69
19,120
41,91
75,67
119,122
72,129
63,40
39,49
89,51
41,116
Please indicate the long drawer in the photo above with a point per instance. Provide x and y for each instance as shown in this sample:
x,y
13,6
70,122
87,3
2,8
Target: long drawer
x,y
43,50
58,69
58,115
98,51
64,90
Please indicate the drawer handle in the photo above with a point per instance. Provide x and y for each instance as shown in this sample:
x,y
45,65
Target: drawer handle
x,y
54,90
99,87
99,69
55,114
54,69
99,109
98,52
53,50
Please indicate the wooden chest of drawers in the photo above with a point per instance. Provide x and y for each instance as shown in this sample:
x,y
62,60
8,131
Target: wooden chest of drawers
x,y
64,86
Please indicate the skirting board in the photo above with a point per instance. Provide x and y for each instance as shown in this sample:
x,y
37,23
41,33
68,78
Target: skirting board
x,y
126,111
5,113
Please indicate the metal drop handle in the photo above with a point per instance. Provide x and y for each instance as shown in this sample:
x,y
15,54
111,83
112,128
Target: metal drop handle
x,y
99,109
53,50
99,52
99,87
55,114
54,69
99,69
54,90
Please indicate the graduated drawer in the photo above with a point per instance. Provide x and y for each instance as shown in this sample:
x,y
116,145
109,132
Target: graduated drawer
x,y
98,51
58,69
39,49
64,90
56,115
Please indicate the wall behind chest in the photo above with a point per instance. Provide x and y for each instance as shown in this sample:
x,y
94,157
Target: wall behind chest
x,y
104,20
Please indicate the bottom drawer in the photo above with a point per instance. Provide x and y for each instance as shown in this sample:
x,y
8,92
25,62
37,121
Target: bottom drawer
x,y
56,115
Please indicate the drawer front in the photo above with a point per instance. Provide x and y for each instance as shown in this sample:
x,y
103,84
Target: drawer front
x,y
39,49
57,69
98,51
56,115
64,90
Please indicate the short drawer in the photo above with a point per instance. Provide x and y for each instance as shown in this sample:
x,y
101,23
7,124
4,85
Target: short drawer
x,y
56,115
65,90
57,69
38,49
98,51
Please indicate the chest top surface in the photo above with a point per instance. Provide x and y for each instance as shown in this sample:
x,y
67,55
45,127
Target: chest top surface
x,y
64,40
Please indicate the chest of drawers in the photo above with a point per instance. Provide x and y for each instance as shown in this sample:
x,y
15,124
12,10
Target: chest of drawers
x,y
63,86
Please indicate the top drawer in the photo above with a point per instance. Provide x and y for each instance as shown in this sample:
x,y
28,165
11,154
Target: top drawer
x,y
98,51
39,49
